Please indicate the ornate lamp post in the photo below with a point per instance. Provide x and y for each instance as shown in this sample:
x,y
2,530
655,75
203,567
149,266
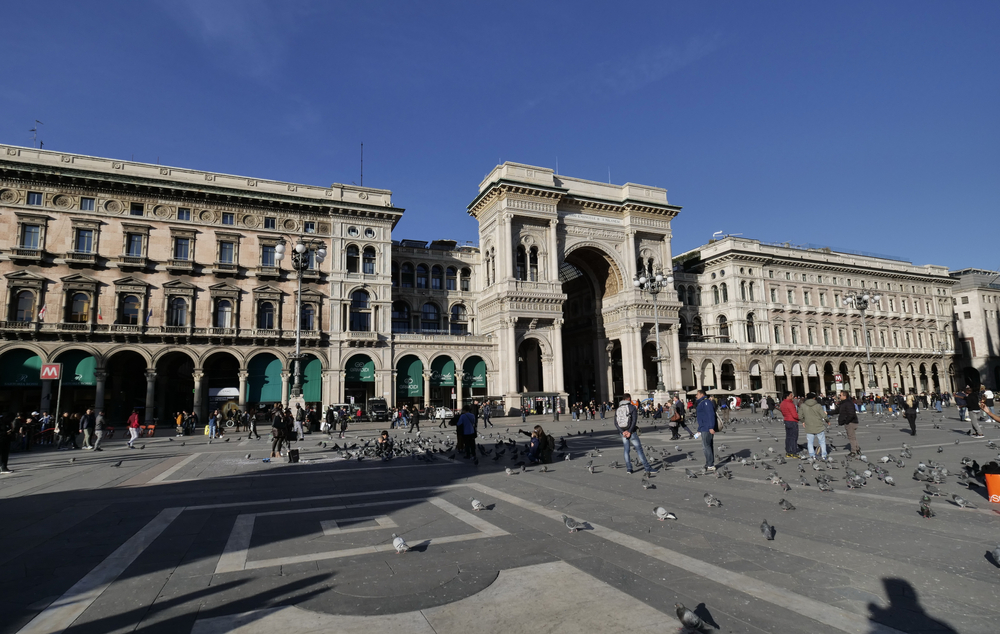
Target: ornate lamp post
x,y
861,302
302,253
652,283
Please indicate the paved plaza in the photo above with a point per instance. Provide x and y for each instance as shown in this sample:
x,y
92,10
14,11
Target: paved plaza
x,y
187,536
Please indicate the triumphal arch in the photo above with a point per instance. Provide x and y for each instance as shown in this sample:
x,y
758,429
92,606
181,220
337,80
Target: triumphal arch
x,y
559,255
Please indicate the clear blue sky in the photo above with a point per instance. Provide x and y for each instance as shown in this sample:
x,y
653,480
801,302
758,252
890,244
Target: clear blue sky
x,y
859,125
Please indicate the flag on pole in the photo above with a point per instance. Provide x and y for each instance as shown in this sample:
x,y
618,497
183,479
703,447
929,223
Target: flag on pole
x,y
100,315
41,313
149,316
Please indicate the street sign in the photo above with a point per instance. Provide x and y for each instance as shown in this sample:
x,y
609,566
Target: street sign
x,y
838,378
51,371
895,385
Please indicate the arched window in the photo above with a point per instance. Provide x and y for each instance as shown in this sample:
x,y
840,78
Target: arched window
x,y
467,279
400,317
533,264
437,278
24,306
682,330
177,312
452,282
265,316
696,330
725,292
369,261
430,318
521,264
751,329
743,291
493,266
395,275
723,328
79,309
459,320
407,275
352,259
751,292
422,276
307,320
223,314
361,317
680,294
715,294
692,301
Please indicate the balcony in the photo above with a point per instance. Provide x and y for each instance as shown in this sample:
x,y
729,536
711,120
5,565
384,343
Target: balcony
x,y
225,268
84,258
439,336
132,262
222,332
132,329
22,326
26,254
361,338
268,271
180,266
267,333
311,275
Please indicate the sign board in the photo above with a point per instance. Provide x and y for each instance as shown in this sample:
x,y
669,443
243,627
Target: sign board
x,y
352,400
51,371
838,378
895,385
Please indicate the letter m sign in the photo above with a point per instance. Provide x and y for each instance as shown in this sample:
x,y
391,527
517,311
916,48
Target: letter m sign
x,y
51,371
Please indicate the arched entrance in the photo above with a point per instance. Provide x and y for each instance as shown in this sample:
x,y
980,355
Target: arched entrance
x,y
649,365
20,382
359,380
78,382
474,378
443,382
780,379
312,381
124,386
812,376
263,380
727,378
410,381
829,378
221,385
174,385
971,377
529,367
798,381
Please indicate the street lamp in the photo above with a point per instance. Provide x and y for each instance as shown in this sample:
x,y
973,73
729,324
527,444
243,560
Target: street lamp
x,y
652,283
300,262
861,302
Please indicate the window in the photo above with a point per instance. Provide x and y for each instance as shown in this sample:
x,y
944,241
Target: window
x,y
533,264
836,300
86,204
751,292
353,259
715,294
183,213
129,313
353,231
806,298
819,279
369,261
224,314
725,292
928,309
857,342
400,317
751,329
795,335
228,218
723,328
692,298
30,236
360,312
770,274
227,252
265,316
895,339
881,338
809,336
909,341
777,334
788,275
450,275
920,340
136,209
822,299
270,222
965,300
177,312
437,278
459,320
826,336
395,275
307,320
369,233
309,226
466,280
23,308
267,255
182,249
774,295
791,297
892,304
84,241
422,273
967,315
407,275
521,264
79,309
840,336
902,305
35,198
430,318
133,245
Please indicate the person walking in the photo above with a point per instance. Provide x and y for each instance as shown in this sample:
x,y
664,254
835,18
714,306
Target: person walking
x,y
487,411
910,412
627,422
6,436
814,422
277,431
847,415
770,407
300,417
791,417
252,424
213,424
466,430
99,422
974,416
68,431
87,423
681,421
707,422
414,420
133,428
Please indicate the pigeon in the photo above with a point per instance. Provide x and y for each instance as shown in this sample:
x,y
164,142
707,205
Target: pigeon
x,y
786,505
509,471
572,524
767,530
399,544
226,440
144,446
890,481
248,456
925,510
956,442
183,443
545,469
711,500
996,555
689,620
72,460
933,490
477,505
690,474
803,482
117,464
663,514
590,468
939,450
646,484
824,487
962,502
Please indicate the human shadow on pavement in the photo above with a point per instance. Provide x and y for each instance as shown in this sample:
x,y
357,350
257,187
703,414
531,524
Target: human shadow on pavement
x,y
904,611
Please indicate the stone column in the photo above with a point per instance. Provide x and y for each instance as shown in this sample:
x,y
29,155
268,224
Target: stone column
x,y
609,373
100,377
199,406
553,272
631,254
327,391
243,374
427,389
285,375
602,359
458,387
150,395
393,392
508,246
675,359
558,378
511,336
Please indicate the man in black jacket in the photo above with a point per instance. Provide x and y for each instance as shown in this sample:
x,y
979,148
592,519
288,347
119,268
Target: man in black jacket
x,y
847,415
972,399
88,425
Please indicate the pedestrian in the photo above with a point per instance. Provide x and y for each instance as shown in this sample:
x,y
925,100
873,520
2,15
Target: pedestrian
x,y
343,423
133,428
814,422
465,428
961,405
791,417
627,422
972,402
988,398
724,407
300,417
277,431
6,437
213,424
88,424
524,416
414,420
67,432
910,413
252,424
847,415
770,407
99,422
487,414
707,422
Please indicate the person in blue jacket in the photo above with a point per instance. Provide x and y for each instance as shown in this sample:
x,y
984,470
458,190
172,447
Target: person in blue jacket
x,y
705,409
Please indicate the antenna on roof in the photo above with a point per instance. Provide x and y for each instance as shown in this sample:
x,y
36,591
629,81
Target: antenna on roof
x,y
362,164
557,165
34,132
609,174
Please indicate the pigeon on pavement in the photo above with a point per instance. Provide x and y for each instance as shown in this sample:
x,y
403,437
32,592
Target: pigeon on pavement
x,y
962,502
399,544
996,555
477,505
509,471
786,505
663,514
646,484
572,524
117,464
689,620
824,487
690,474
767,530
711,500
248,456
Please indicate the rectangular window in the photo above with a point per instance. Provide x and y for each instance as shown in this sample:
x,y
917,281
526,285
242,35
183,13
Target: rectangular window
x,y
892,305
791,297
183,213
965,300
805,298
774,295
30,236
35,198
228,218
848,281
270,223
466,283
826,336
927,308
136,209
309,227
855,333
822,299
902,305
836,301
86,204
770,274
819,279
777,334
795,335
435,282
134,245
840,336
182,248
809,332
267,255
967,315
84,241
788,275
227,251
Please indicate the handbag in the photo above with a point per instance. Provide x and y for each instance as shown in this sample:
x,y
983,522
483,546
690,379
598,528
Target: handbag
x,y
675,418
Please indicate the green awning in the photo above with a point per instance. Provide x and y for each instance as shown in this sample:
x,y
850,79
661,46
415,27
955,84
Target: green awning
x,y
474,372
410,377
264,380
78,368
360,368
20,368
312,379
443,372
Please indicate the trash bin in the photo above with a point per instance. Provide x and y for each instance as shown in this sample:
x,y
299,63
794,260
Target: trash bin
x,y
993,487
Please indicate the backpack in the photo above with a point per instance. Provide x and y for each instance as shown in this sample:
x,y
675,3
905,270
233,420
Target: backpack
x,y
623,417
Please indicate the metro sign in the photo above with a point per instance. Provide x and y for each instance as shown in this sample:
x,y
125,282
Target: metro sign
x,y
51,371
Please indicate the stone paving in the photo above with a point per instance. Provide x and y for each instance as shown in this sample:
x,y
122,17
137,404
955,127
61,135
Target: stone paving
x,y
187,536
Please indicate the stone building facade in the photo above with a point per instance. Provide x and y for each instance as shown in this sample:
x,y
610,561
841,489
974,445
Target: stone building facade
x,y
976,306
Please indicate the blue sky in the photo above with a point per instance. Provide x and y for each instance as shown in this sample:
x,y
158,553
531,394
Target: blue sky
x,y
870,126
